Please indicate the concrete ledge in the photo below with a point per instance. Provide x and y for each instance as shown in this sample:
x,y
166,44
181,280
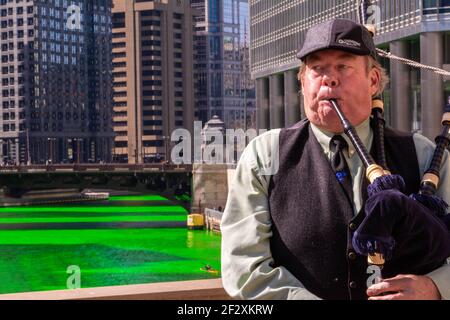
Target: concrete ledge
x,y
178,290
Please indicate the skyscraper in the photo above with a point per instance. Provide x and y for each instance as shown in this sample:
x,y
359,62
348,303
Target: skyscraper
x,y
414,29
153,86
223,85
56,94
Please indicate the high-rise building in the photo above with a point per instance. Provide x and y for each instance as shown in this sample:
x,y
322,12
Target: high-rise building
x,y
153,78
414,29
223,86
56,92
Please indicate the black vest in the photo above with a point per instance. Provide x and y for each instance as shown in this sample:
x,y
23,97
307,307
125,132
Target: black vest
x,y
313,220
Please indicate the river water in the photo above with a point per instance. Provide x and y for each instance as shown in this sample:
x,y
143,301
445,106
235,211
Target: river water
x,y
124,240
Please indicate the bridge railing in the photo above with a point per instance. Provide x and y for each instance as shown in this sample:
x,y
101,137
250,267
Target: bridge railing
x,y
96,167
213,219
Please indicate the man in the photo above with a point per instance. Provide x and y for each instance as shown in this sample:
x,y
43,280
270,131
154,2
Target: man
x,y
287,225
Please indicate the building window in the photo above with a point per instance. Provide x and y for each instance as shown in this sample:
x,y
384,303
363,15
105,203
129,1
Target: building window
x,y
152,123
152,112
153,143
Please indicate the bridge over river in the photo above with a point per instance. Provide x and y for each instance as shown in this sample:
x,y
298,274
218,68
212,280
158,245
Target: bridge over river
x,y
171,181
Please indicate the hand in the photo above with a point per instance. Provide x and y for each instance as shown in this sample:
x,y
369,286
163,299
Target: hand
x,y
404,287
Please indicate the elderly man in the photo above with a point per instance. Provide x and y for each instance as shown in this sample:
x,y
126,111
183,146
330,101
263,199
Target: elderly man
x,y
287,225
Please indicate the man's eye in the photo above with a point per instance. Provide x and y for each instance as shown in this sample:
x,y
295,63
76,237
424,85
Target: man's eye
x,y
317,68
343,67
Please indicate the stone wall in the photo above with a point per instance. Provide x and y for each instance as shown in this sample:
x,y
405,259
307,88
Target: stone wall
x,y
210,186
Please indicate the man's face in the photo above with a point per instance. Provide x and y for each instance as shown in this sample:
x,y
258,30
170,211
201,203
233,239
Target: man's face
x,y
343,76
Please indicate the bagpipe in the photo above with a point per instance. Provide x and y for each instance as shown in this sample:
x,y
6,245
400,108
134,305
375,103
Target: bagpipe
x,y
400,233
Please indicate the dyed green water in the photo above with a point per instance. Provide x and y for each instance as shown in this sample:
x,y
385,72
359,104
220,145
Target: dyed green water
x,y
94,209
36,259
137,198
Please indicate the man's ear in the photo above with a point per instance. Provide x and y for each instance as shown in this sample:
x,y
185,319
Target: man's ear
x,y
301,76
300,79
375,80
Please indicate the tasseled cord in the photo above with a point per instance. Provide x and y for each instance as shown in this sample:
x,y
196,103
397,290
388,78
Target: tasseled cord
x,y
392,181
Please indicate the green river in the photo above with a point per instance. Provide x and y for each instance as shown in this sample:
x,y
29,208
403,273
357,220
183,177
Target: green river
x,y
120,241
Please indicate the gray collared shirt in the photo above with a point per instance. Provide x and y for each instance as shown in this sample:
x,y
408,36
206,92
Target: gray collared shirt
x,y
246,224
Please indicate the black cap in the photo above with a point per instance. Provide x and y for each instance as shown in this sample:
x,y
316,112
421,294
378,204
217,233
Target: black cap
x,y
340,34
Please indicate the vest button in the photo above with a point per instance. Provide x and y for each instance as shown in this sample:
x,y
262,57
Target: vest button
x,y
353,284
352,226
352,255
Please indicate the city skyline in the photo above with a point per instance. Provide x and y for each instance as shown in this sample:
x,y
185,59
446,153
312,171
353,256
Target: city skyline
x,y
85,86
80,85
56,75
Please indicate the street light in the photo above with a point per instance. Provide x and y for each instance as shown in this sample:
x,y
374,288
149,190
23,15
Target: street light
x,y
79,143
28,147
143,152
8,150
166,145
2,144
114,159
51,150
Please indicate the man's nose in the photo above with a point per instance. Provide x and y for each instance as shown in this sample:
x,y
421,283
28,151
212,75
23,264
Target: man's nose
x,y
329,80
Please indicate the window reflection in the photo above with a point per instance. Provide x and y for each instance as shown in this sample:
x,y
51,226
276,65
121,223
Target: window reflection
x,y
228,11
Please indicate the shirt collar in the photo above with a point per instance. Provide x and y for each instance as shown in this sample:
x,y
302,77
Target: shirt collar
x,y
363,130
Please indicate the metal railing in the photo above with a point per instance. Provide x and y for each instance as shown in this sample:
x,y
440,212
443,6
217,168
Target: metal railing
x,y
95,167
212,219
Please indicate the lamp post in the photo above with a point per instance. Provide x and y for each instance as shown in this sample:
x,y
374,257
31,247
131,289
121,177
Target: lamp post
x,y
136,155
51,151
79,142
166,145
143,154
8,150
2,144
28,147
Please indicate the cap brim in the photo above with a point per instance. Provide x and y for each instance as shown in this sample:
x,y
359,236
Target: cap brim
x,y
302,55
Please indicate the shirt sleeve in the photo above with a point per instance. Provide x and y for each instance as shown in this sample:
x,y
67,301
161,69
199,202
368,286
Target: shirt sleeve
x,y
247,271
425,149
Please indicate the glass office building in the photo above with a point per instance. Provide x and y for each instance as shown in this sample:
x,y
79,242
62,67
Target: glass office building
x,y
223,86
415,29
56,89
